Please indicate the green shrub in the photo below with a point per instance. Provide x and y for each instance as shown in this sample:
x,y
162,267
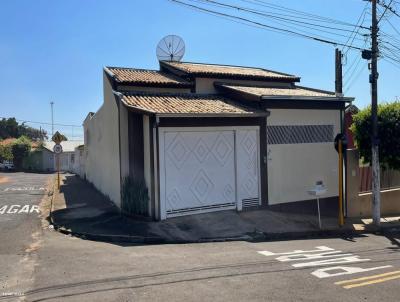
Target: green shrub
x,y
20,149
388,134
5,153
135,197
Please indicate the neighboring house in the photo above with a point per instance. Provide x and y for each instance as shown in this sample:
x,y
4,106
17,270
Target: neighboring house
x,y
79,163
209,137
348,121
39,159
36,159
67,157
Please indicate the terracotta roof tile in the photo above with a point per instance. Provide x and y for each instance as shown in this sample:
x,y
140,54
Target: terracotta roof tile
x,y
195,104
278,91
230,71
11,140
143,76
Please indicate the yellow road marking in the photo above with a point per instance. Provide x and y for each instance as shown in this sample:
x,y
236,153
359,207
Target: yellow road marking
x,y
367,278
372,282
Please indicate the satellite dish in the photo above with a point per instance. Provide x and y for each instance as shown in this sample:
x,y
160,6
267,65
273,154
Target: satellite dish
x,y
170,48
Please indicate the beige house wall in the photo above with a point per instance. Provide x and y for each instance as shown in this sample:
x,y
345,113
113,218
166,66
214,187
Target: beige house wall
x,y
79,163
206,85
102,165
123,119
293,169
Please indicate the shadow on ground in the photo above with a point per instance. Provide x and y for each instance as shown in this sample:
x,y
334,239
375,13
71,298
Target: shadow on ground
x,y
81,210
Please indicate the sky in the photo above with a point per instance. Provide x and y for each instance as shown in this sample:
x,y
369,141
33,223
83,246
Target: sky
x,y
55,51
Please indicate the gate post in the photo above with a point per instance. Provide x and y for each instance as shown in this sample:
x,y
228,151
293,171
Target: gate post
x,y
353,183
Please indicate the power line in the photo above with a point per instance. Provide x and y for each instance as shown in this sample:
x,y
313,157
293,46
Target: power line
x,y
386,8
43,123
311,26
354,76
263,14
391,37
393,51
268,27
298,12
356,28
390,23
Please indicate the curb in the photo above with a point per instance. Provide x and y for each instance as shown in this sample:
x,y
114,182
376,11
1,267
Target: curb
x,y
258,237
144,240
110,238
249,237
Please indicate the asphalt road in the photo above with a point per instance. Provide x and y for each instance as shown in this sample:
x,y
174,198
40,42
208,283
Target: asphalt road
x,y
365,268
20,225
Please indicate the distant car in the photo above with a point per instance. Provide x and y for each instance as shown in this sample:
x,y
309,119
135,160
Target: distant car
x,y
7,166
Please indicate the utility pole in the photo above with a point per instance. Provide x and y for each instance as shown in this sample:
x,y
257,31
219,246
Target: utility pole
x,y
338,73
52,118
340,149
373,79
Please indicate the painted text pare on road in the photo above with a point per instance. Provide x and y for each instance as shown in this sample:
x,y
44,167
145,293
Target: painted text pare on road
x,y
11,189
324,256
19,209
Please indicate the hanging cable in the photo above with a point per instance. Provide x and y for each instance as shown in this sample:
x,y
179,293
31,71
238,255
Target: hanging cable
x,y
268,27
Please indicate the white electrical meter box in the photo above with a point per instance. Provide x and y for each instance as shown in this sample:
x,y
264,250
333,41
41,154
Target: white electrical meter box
x,y
319,189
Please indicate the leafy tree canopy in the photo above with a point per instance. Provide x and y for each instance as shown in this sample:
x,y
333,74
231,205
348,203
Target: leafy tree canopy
x,y
11,128
20,149
388,133
5,153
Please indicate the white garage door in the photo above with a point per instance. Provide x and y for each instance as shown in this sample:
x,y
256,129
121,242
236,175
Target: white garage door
x,y
199,170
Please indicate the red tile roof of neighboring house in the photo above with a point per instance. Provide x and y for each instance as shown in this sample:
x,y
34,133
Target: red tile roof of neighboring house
x,y
11,140
7,141
146,77
186,104
229,71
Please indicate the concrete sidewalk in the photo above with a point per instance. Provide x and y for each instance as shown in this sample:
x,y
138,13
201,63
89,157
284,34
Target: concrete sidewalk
x,y
79,209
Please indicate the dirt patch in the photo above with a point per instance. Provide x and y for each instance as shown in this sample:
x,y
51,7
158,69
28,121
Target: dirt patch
x,y
3,179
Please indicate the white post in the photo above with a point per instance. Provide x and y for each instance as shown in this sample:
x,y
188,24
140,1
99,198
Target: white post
x,y
319,214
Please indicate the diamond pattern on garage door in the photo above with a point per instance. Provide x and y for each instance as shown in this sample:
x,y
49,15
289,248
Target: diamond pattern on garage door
x,y
177,152
201,186
199,169
222,149
201,150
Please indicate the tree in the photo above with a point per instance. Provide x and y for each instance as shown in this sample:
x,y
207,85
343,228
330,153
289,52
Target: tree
x,y
20,149
5,153
10,128
388,133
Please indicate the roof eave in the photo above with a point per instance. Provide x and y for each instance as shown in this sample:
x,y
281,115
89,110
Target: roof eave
x,y
180,72
245,77
250,114
109,72
234,93
133,108
307,98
